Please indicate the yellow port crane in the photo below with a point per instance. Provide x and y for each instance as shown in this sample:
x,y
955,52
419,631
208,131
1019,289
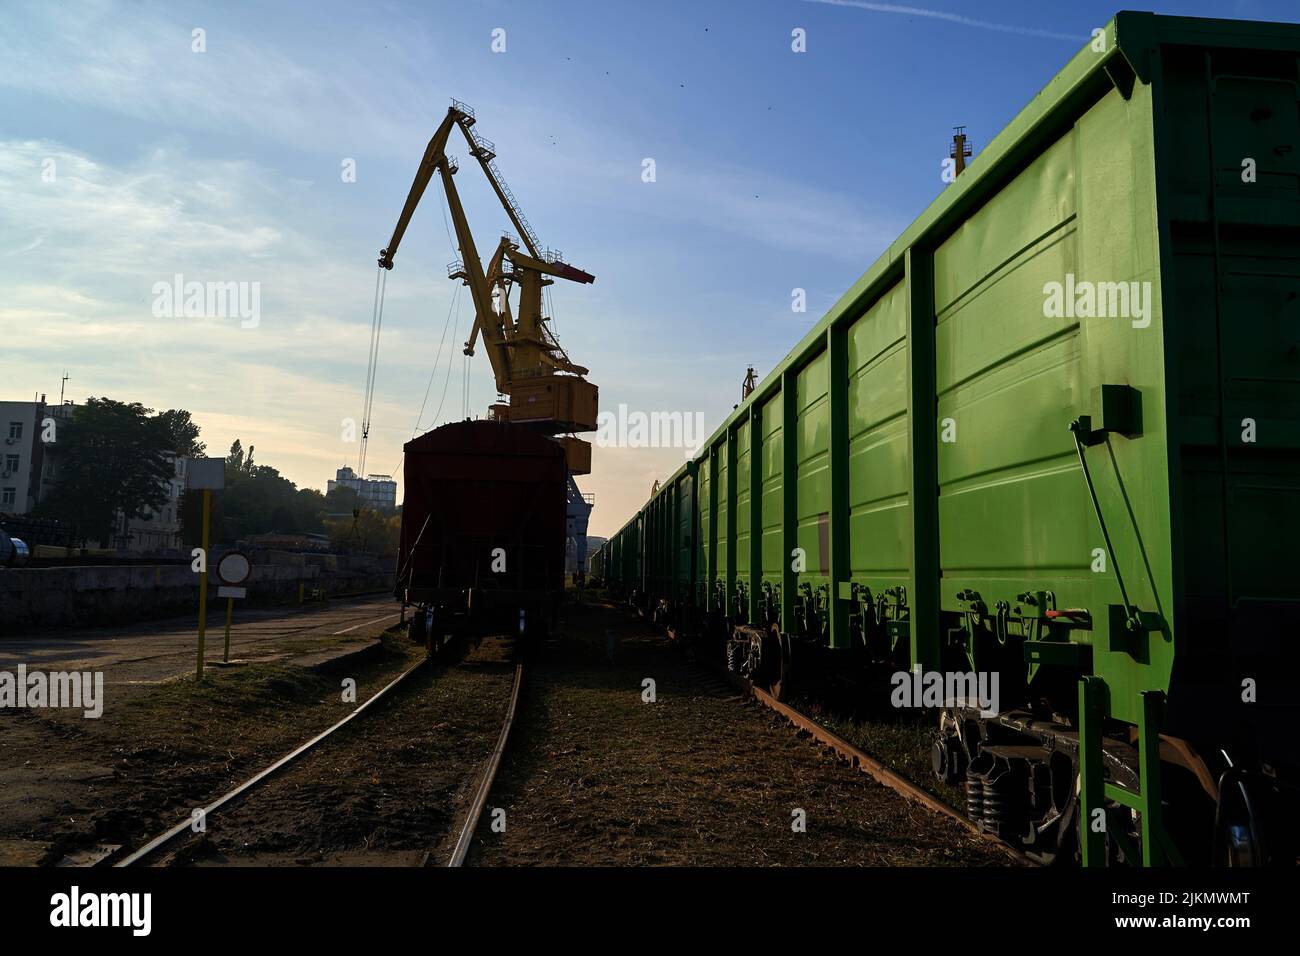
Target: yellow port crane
x,y
543,387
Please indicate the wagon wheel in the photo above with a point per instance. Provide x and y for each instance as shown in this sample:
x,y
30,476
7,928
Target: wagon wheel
x,y
778,662
1236,829
747,650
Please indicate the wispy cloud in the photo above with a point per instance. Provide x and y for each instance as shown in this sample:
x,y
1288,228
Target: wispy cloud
x,y
703,194
144,67
88,247
958,18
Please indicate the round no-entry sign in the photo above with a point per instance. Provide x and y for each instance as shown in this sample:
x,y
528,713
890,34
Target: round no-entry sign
x,y
234,568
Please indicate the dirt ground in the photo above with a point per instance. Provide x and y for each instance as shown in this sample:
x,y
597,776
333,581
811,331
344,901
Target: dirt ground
x,y
596,775
164,746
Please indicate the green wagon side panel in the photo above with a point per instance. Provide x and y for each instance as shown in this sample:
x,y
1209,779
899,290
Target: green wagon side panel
x,y
685,539
1011,505
1012,372
742,492
879,522
721,516
813,493
705,551
1234,401
773,487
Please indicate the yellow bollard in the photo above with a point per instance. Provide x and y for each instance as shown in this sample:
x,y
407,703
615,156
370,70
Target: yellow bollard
x,y
230,609
203,579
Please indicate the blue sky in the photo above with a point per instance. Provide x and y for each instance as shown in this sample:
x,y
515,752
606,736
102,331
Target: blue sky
x,y
774,171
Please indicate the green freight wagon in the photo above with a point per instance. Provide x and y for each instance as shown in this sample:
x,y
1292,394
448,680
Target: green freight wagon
x,y
1051,436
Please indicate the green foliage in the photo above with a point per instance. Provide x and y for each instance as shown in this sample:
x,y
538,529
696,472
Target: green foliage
x,y
112,457
342,500
237,466
182,432
371,531
257,499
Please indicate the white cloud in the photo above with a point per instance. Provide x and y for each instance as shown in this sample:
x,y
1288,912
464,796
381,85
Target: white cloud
x,y
957,18
88,248
140,64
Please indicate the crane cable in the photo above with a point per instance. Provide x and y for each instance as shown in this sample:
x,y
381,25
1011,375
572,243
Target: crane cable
x,y
447,380
437,359
455,299
367,403
372,366
465,386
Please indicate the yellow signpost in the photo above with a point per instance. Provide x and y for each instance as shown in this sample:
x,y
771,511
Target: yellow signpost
x,y
203,578
207,474
230,609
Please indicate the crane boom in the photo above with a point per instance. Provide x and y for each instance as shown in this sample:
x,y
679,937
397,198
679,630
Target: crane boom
x,y
428,165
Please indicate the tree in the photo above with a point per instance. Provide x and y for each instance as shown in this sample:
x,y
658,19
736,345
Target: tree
x,y
283,520
257,499
234,462
308,509
113,459
341,500
370,531
182,432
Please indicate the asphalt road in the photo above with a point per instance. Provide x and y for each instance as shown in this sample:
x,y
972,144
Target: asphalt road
x,y
154,651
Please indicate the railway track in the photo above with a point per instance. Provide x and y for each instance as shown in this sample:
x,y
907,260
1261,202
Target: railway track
x,y
489,775
863,761
243,832
871,766
630,754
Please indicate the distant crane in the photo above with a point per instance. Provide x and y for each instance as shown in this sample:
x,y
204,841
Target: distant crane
x,y
960,150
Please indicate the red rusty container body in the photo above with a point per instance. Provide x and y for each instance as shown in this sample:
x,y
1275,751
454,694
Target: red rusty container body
x,y
484,509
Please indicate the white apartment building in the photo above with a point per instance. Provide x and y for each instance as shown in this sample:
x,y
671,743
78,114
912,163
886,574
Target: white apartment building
x,y
373,491
20,455
159,529
29,471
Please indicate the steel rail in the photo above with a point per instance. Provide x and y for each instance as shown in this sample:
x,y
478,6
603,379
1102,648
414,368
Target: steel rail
x,y
873,767
181,829
489,774
863,761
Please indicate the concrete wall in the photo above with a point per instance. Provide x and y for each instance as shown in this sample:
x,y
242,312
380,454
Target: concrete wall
x,y
51,597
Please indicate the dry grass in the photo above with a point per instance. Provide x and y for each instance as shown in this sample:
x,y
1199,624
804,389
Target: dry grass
x,y
597,776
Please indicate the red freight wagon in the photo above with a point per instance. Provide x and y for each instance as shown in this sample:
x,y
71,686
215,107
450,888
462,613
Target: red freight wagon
x,y
483,526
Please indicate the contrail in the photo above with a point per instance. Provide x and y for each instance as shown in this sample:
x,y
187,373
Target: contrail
x,y
951,18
